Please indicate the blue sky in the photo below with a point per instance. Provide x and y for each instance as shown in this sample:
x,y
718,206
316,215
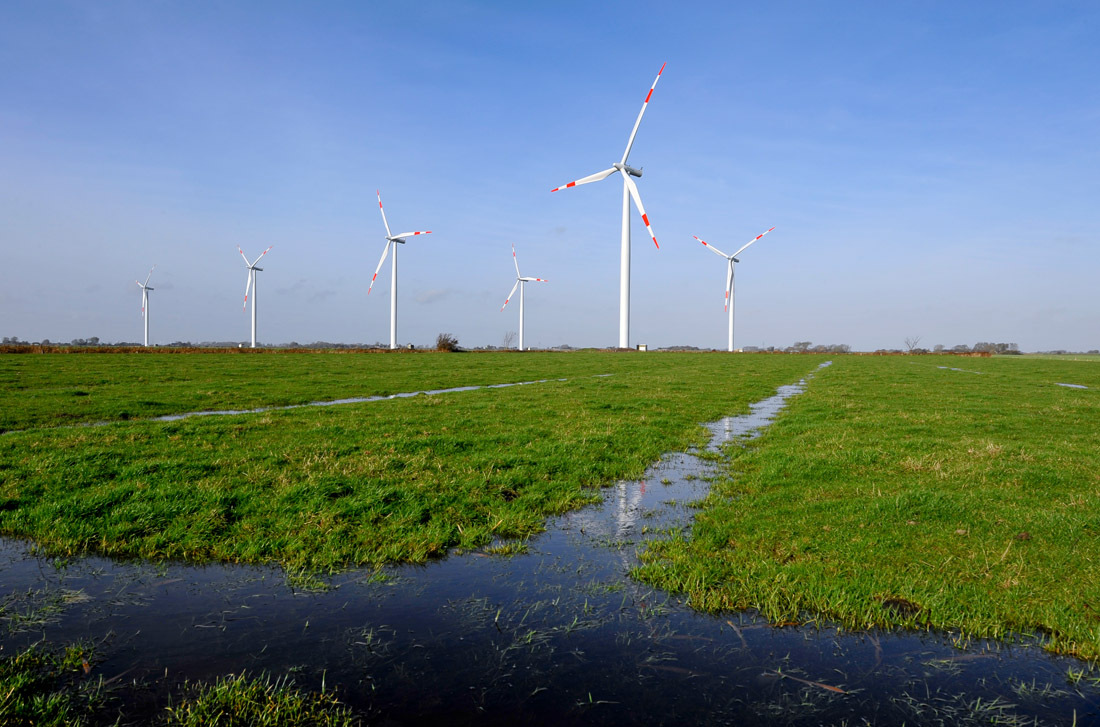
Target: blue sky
x,y
930,169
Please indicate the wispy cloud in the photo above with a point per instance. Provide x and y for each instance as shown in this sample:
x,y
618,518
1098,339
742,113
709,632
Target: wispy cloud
x,y
431,296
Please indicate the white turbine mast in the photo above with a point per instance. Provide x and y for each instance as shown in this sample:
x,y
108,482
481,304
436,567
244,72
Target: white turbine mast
x,y
391,240
251,284
520,280
145,302
630,191
732,260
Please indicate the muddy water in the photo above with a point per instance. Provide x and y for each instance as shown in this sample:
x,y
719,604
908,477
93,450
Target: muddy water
x,y
559,635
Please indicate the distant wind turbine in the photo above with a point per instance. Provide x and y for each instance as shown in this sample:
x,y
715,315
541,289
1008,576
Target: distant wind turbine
x,y
732,259
630,190
520,280
391,240
145,302
251,284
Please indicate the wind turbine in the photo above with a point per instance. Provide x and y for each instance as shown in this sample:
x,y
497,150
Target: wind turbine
x,y
145,302
520,280
391,240
729,277
630,190
252,270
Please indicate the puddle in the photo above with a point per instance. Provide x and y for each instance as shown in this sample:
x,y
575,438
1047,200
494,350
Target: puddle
x,y
558,635
965,371
1073,386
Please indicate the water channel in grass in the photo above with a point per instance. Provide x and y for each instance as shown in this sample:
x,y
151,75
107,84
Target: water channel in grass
x,y
558,634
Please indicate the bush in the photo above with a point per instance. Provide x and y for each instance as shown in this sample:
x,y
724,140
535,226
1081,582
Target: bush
x,y
446,342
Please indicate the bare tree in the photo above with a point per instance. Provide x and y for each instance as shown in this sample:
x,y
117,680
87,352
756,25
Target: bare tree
x,y
911,342
509,339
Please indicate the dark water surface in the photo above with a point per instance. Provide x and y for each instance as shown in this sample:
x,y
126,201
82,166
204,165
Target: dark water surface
x,y
558,635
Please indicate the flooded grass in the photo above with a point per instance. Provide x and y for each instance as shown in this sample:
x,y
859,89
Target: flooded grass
x,y
549,628
973,498
395,481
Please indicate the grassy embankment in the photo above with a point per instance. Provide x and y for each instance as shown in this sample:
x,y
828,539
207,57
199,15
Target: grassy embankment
x,y
320,488
894,492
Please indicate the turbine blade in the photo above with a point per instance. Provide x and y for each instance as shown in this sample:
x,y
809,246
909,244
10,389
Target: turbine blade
x,y
752,241
509,297
247,286
638,203
387,224
515,260
729,285
261,255
534,280
414,234
385,252
242,254
711,247
585,180
149,275
634,131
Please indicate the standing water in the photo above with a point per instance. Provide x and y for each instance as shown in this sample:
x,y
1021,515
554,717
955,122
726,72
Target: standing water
x,y
557,635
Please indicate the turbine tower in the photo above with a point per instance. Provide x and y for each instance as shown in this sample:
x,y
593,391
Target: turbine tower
x,y
732,260
251,283
145,302
520,280
630,190
391,240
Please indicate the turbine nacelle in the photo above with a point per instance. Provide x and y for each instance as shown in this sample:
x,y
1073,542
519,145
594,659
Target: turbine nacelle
x,y
629,170
396,239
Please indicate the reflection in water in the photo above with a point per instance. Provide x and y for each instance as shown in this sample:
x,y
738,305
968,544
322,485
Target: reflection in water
x,y
559,635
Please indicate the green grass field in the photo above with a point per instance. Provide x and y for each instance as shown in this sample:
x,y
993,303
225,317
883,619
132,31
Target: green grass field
x,y
321,488
895,491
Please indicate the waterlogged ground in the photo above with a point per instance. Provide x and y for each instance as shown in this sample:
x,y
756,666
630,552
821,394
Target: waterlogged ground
x,y
555,634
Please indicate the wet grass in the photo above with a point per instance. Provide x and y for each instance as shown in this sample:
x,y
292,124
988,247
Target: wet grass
x,y
245,701
40,686
392,481
43,687
896,493
54,389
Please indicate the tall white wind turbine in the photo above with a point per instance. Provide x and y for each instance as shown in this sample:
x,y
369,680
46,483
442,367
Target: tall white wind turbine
x,y
391,240
251,284
630,190
520,280
145,302
732,260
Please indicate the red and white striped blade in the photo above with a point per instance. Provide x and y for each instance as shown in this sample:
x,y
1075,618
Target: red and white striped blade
x,y
645,104
509,296
387,224
638,203
752,241
534,280
515,260
385,252
585,180
711,247
729,285
148,276
262,254
414,234
242,254
247,286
